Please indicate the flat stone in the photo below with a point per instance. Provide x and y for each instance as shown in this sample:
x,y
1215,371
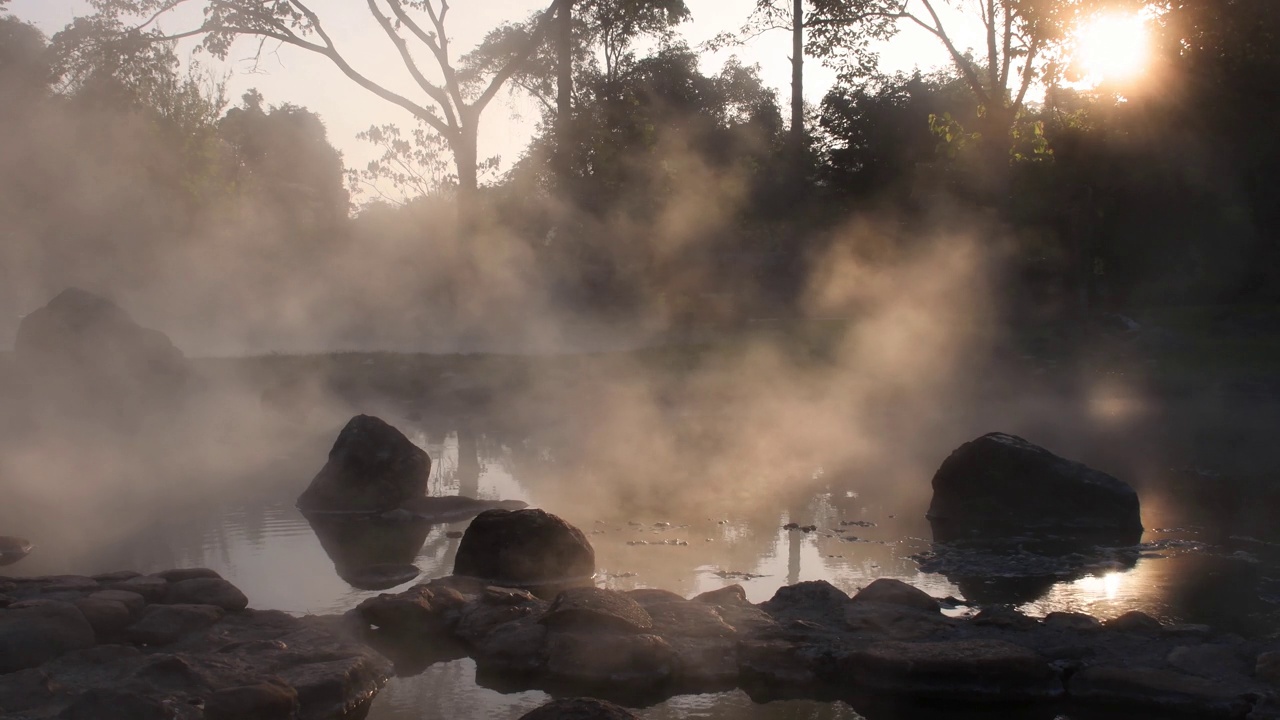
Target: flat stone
x,y
131,600
149,587
337,687
262,701
1072,622
1005,618
615,661
36,631
728,595
685,619
579,709
594,609
180,574
1211,660
107,617
1153,689
896,622
72,583
205,591
968,670
896,592
115,577
166,624
1135,621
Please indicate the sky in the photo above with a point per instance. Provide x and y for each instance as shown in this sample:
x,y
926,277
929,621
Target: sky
x,y
286,74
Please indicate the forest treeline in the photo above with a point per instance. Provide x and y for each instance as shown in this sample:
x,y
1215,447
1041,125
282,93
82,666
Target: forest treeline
x,y
654,184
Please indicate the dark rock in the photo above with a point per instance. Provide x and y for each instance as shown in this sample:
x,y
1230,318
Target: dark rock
x,y
524,548
1156,690
896,592
579,709
621,663
969,670
896,622
515,647
777,668
206,591
1072,622
686,619
151,588
1000,485
650,596
107,617
421,610
115,577
336,688
372,467
816,601
589,609
1135,621
108,704
13,549
67,583
262,701
35,631
497,607
180,574
365,549
166,624
728,595
1267,667
85,355
1005,618
131,600
1211,660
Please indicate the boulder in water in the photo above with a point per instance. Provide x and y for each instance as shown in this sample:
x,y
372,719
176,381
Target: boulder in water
x,y
372,468
524,548
1001,485
82,352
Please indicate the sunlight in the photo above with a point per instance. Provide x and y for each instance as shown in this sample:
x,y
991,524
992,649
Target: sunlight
x,y
1101,586
1112,47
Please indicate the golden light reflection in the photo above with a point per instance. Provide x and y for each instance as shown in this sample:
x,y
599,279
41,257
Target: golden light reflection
x,y
1100,587
1112,47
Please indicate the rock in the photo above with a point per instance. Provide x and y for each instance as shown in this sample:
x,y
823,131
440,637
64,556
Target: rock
x,y
591,609
180,574
968,670
620,663
1212,660
1000,485
372,468
206,591
1156,690
109,704
107,617
336,688
524,548
84,355
1005,618
653,596
815,601
1135,621
728,595
35,631
512,647
896,592
425,609
13,549
1072,622
115,577
152,589
897,622
368,552
166,624
1267,667
262,701
131,600
579,709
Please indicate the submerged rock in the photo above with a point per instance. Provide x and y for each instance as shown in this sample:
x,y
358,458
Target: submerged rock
x,y
1001,485
372,468
524,548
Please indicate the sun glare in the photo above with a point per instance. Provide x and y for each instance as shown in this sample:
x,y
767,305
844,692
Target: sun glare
x,y
1112,47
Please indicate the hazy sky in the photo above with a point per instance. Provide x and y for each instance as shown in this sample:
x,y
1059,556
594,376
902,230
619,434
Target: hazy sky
x,y
290,75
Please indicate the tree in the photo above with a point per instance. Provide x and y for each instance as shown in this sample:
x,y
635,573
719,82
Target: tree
x,y
453,105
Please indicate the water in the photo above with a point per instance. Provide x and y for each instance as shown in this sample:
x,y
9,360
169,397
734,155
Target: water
x,y
866,529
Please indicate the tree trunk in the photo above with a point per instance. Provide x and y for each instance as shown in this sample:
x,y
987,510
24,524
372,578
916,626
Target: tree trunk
x,y
797,75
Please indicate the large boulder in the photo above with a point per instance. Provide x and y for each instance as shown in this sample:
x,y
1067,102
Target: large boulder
x,y
372,468
524,548
1001,485
13,549
83,352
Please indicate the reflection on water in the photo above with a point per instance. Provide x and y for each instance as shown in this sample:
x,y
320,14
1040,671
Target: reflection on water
x,y
266,547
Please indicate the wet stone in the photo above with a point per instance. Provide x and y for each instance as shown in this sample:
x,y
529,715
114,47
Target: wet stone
x,y
1005,618
897,622
166,624
650,596
151,588
35,631
131,600
1267,667
1071,622
263,701
1212,660
205,591
895,592
728,595
115,577
971,670
620,662
1154,689
1135,621
596,609
108,704
179,574
107,617
337,687
815,601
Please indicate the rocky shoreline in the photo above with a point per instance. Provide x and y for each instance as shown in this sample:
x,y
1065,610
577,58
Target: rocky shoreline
x,y
176,645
